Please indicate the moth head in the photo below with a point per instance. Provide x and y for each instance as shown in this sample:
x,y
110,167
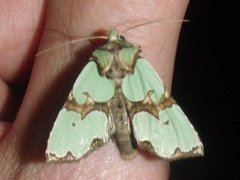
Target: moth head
x,y
114,36
117,57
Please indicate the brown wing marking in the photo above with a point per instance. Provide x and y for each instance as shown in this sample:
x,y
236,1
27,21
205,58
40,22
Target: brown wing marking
x,y
148,105
90,105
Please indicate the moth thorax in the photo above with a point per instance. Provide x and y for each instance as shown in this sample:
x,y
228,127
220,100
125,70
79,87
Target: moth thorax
x,y
116,71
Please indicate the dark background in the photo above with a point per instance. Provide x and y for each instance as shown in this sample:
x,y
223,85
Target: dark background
x,y
205,84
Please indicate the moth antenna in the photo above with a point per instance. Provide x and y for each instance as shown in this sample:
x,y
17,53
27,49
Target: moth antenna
x,y
154,22
71,42
58,32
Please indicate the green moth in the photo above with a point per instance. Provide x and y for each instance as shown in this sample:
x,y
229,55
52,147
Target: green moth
x,y
118,95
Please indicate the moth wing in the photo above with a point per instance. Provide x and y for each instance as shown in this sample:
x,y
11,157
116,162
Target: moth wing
x,y
71,136
171,136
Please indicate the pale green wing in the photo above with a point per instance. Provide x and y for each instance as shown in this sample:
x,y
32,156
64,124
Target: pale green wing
x,y
72,137
171,136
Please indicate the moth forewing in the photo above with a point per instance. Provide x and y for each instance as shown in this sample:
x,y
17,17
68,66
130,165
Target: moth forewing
x,y
73,136
168,135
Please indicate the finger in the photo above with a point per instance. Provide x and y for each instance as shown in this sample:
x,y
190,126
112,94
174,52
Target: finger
x,y
21,24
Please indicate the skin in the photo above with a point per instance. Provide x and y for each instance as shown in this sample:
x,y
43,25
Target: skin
x,y
23,138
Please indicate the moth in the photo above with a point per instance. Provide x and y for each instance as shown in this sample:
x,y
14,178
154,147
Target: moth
x,y
118,95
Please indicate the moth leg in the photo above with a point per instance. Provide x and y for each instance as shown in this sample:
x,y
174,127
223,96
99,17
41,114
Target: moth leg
x,y
147,104
90,105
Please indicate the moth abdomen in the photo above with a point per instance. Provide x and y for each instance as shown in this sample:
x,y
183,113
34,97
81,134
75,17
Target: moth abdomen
x,y
126,147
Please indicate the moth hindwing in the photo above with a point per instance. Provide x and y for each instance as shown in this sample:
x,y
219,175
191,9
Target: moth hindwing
x,y
118,94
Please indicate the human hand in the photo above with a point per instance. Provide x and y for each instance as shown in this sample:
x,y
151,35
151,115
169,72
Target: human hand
x,y
24,141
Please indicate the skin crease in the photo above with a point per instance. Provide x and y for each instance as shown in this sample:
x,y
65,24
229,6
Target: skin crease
x,y
22,143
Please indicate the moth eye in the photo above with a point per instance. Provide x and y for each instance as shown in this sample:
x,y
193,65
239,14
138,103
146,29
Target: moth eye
x,y
122,37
